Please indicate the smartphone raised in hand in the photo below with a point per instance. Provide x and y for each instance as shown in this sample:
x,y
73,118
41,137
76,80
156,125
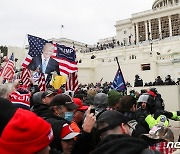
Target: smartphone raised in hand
x,y
92,110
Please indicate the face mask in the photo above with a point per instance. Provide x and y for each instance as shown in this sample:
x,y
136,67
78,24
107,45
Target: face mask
x,y
68,116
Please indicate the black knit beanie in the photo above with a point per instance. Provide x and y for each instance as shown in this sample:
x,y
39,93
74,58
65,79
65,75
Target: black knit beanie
x,y
7,111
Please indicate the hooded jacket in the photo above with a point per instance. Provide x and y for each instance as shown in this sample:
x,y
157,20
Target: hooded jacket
x,y
117,144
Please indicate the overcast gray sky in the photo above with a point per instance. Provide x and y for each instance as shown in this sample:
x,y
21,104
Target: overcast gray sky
x,y
86,21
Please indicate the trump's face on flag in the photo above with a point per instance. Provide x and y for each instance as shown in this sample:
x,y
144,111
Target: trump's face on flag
x,y
48,50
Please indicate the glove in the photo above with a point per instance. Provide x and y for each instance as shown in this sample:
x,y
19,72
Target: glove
x,y
167,113
143,116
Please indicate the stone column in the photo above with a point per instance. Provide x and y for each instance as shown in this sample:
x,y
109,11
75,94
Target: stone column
x,y
146,30
133,33
160,31
137,33
170,26
150,37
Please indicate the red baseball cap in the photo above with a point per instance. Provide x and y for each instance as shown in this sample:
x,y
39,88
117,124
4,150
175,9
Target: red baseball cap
x,y
78,102
67,133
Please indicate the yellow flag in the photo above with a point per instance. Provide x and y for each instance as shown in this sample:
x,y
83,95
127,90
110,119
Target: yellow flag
x,y
57,81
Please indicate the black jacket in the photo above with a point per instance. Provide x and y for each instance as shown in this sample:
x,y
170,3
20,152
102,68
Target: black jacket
x,y
120,144
139,128
51,66
57,125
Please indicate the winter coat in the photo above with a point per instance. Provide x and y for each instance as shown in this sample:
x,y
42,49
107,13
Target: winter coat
x,y
116,144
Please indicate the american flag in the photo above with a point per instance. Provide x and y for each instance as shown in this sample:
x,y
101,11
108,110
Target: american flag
x,y
8,70
66,56
42,82
25,77
72,82
36,45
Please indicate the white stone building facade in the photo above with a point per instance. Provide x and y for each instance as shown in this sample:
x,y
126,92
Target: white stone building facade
x,y
149,45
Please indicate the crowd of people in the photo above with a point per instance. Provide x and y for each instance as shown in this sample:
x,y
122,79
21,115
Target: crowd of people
x,y
94,119
138,82
112,44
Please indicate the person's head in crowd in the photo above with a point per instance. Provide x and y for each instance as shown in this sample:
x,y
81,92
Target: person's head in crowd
x,y
70,93
158,134
6,89
79,112
91,92
146,101
67,139
152,91
112,122
132,92
128,103
105,90
81,93
168,77
63,106
48,50
20,100
143,91
47,96
36,98
159,138
98,89
136,76
158,77
18,134
114,99
22,89
101,100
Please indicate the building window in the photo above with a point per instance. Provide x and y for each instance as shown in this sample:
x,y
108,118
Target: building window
x,y
175,22
125,32
145,67
170,1
142,31
165,27
155,28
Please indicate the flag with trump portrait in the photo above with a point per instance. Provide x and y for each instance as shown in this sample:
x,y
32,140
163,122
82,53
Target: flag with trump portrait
x,y
65,56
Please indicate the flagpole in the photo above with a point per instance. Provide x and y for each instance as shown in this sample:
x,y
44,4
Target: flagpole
x,y
121,72
62,26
